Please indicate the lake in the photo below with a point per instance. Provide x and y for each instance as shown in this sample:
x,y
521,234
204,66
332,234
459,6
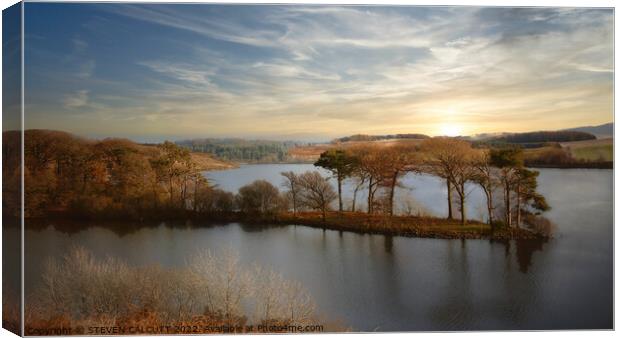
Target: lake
x,y
383,283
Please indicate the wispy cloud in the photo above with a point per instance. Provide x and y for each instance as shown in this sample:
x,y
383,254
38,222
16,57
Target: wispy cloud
x,y
333,70
214,27
77,99
79,45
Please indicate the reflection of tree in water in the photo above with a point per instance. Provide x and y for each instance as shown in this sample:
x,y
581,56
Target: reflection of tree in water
x,y
127,227
388,243
524,250
454,304
120,228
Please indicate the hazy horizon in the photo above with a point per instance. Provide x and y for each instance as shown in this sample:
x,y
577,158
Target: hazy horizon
x,y
314,73
160,139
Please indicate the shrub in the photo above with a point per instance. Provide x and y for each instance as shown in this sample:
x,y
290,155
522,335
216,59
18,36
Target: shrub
x,y
81,288
259,197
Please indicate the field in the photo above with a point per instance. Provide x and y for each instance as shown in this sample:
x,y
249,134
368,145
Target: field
x,y
592,150
311,153
206,161
600,150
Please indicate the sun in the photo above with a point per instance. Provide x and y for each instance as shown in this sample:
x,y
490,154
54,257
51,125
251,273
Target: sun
x,y
450,129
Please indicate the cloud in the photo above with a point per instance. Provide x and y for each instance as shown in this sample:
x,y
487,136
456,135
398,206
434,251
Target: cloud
x,y
79,45
77,99
478,76
334,70
216,28
182,72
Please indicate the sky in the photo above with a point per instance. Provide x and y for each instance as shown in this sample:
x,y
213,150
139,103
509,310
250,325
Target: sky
x,y
151,72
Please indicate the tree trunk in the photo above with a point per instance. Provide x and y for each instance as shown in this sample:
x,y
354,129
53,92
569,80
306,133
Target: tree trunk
x,y
357,188
462,204
449,198
490,206
508,214
195,193
370,196
354,197
392,188
339,193
518,223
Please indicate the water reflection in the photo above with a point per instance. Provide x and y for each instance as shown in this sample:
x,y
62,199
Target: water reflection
x,y
524,250
388,243
397,283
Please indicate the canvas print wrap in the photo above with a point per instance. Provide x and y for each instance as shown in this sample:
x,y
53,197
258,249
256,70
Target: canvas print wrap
x,y
220,168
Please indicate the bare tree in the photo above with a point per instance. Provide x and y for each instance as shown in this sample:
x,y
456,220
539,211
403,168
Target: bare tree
x,y
397,161
316,192
438,163
371,166
359,178
291,183
91,290
486,177
280,300
451,158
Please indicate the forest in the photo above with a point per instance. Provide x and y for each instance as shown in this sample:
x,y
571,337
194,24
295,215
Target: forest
x,y
240,150
363,137
542,137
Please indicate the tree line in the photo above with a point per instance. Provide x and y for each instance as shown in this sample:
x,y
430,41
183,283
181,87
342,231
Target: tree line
x,y
364,137
116,178
67,174
119,178
379,169
543,136
241,150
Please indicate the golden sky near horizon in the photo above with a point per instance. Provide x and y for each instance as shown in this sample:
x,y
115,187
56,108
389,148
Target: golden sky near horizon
x,y
149,72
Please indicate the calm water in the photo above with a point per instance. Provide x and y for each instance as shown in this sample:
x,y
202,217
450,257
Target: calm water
x,y
379,283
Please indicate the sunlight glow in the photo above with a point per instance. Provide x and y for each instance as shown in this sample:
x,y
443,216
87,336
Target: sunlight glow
x,y
450,129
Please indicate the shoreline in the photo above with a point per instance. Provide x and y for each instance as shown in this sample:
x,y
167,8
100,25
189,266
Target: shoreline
x,y
406,226
361,223
592,165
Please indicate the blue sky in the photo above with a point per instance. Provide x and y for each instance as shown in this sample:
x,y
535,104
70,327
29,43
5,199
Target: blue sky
x,y
154,72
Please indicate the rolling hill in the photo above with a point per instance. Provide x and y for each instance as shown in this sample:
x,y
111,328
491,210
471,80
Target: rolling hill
x,y
601,131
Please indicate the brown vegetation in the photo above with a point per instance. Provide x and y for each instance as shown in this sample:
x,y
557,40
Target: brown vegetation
x,y
115,178
206,162
575,154
210,291
379,169
312,153
408,226
578,154
108,178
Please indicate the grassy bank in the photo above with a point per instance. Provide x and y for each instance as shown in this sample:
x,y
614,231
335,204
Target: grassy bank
x,y
408,226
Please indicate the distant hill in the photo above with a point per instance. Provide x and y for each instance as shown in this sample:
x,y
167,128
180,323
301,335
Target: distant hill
x,y
603,131
542,137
